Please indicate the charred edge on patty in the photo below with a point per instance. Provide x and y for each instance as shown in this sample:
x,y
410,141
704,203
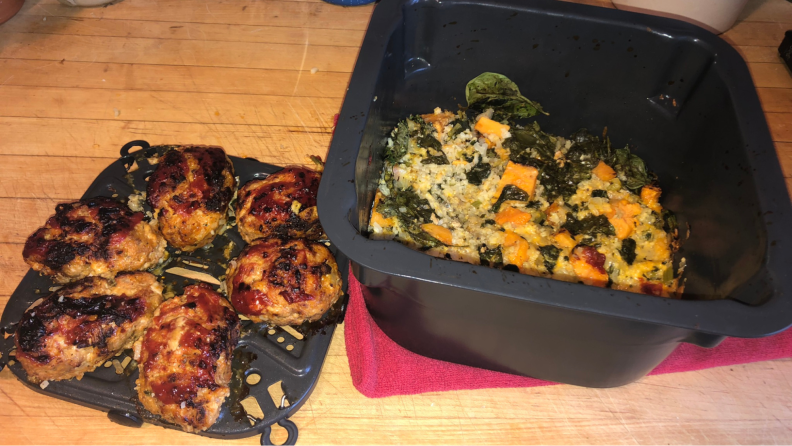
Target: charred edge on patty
x,y
272,203
95,315
112,218
208,180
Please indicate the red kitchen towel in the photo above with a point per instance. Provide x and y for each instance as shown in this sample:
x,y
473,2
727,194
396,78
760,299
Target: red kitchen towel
x,y
381,368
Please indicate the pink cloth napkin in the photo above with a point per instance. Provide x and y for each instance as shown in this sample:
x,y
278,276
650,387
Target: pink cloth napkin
x,y
381,368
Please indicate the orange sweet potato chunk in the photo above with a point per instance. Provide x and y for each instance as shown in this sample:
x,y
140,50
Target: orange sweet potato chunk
x,y
604,172
439,232
488,127
513,216
518,175
588,264
650,196
622,217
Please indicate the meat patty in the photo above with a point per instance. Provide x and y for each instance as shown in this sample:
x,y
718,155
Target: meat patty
x,y
283,205
283,282
190,192
80,326
93,237
185,358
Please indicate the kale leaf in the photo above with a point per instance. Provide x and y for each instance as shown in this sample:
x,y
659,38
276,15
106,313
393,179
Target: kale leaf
x,y
430,142
436,159
631,169
627,250
550,254
435,149
522,141
510,193
590,225
411,211
458,126
490,257
478,173
401,143
669,222
587,149
496,91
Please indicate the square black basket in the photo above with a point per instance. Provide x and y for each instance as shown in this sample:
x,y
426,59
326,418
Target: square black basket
x,y
265,354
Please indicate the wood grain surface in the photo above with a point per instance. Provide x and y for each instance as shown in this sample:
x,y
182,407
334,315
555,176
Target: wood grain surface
x,y
264,79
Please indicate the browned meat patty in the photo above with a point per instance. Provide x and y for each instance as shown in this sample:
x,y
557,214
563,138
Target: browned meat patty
x,y
185,358
190,192
80,326
93,237
283,282
283,205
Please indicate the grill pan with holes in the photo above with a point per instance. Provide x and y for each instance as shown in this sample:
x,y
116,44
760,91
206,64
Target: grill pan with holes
x,y
264,356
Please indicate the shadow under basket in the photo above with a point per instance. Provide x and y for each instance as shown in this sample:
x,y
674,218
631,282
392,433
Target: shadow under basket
x,y
679,95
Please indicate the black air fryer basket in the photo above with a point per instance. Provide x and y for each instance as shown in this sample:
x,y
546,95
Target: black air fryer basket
x,y
270,353
680,95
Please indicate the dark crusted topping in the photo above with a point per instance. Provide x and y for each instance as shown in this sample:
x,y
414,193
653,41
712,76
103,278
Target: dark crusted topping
x,y
272,202
287,269
207,188
84,322
652,288
210,331
86,228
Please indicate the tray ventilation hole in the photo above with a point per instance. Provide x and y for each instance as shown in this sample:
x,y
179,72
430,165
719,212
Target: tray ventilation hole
x,y
281,339
277,394
133,167
108,364
289,347
8,334
253,379
253,409
271,332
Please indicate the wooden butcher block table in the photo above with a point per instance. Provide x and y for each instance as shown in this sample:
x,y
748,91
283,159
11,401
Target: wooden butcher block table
x,y
264,79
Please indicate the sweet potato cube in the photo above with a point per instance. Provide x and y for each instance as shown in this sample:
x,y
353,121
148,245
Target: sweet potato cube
x,y
564,239
604,172
440,233
518,175
513,216
515,250
588,265
489,127
622,217
650,196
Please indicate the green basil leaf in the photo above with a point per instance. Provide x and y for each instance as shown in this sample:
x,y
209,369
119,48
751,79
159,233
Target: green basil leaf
x,y
496,91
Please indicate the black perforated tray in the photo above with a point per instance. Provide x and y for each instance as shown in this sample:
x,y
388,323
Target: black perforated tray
x,y
294,362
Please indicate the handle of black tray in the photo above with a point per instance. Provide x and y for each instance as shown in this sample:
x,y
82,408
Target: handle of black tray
x,y
290,427
137,143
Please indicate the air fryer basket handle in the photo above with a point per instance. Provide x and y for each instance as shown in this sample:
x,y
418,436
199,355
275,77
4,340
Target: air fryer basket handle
x,y
290,427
